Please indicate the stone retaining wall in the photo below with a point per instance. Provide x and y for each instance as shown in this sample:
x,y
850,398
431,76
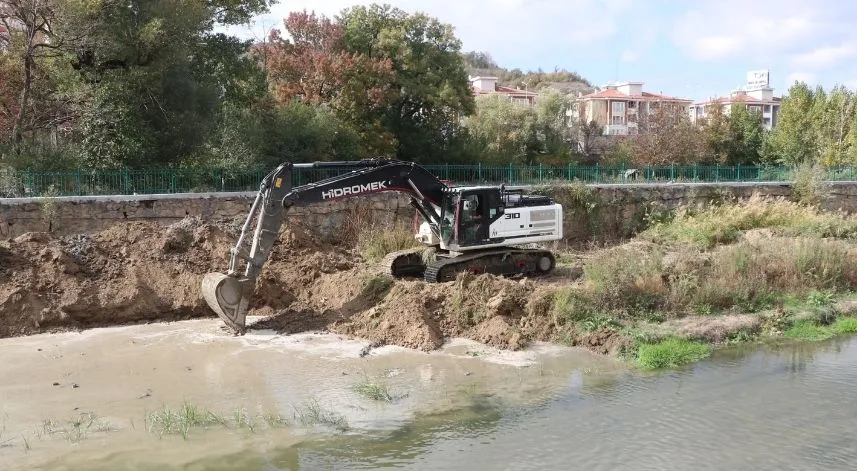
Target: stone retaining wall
x,y
594,212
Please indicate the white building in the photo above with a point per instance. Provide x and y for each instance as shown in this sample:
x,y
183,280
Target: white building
x,y
488,85
756,95
619,107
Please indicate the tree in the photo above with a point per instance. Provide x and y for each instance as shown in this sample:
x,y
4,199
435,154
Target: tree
x,y
833,115
432,92
153,93
314,67
792,141
28,33
666,136
745,136
508,130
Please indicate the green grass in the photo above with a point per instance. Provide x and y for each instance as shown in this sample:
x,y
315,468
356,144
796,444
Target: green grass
x,y
809,331
312,413
181,421
77,428
671,353
845,325
374,390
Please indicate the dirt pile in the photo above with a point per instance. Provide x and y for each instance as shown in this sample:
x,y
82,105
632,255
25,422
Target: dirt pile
x,y
133,272
139,272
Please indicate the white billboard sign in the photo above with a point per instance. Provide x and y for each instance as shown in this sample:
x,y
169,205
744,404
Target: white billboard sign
x,y
758,78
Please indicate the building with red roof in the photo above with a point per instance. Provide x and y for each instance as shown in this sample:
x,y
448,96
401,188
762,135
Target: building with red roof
x,y
488,85
619,107
756,95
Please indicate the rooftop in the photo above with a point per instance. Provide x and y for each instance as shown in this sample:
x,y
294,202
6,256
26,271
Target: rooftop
x,y
739,97
614,93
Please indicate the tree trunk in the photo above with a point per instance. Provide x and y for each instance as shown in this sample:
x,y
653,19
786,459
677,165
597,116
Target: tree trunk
x,y
29,63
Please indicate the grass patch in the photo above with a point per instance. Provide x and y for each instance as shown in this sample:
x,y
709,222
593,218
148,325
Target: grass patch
x,y
845,325
670,353
77,428
182,420
189,417
312,413
375,242
723,224
374,390
807,330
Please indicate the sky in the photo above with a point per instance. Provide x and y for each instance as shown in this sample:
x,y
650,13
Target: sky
x,y
692,49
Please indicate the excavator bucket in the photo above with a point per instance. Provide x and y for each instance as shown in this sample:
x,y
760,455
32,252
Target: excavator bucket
x,y
229,297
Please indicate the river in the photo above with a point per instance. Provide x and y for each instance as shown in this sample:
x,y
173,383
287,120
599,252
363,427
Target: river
x,y
777,406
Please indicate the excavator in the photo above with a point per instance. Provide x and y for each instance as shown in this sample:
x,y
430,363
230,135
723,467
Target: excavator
x,y
475,229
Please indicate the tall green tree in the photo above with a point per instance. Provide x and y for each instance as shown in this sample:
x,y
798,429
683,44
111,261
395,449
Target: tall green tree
x,y
745,136
793,141
432,91
156,77
508,130
833,115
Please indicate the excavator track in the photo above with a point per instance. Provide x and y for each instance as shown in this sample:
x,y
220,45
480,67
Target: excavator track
x,y
504,262
403,263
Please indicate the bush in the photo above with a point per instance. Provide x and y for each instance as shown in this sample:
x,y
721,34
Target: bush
x,y
375,242
626,277
724,224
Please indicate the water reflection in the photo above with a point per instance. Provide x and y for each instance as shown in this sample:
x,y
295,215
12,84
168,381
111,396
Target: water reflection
x,y
779,405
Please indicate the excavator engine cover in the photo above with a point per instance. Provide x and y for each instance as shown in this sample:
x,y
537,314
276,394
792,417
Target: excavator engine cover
x,y
229,297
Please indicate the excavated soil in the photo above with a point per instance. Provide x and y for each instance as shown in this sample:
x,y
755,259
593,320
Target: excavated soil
x,y
145,272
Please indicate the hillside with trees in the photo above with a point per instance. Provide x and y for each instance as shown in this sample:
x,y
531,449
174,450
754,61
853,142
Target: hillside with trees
x,y
138,84
481,63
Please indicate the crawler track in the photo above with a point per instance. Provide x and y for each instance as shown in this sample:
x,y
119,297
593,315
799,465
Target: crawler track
x,y
505,262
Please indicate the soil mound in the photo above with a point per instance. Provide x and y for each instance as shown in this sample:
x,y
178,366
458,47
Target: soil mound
x,y
143,272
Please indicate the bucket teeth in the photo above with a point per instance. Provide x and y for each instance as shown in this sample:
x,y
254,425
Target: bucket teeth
x,y
229,298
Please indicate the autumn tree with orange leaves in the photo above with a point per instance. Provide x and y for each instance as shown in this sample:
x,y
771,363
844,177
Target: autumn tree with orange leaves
x,y
314,67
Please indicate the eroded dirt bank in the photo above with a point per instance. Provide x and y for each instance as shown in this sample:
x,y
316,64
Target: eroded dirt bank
x,y
139,272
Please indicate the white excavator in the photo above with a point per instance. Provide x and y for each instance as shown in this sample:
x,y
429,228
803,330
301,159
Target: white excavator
x,y
475,229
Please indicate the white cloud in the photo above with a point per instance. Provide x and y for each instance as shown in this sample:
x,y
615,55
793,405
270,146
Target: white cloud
x,y
770,29
825,56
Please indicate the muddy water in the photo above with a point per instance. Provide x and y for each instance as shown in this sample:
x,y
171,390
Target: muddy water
x,y
466,407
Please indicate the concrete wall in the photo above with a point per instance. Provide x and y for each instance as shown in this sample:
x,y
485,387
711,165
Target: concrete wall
x,y
599,212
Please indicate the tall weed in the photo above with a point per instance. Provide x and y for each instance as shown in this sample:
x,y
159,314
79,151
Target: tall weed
x,y
723,224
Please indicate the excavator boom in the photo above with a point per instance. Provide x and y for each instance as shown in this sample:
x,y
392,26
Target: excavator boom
x,y
228,294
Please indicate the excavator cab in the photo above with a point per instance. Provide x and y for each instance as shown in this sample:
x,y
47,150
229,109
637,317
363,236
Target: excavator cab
x,y
467,214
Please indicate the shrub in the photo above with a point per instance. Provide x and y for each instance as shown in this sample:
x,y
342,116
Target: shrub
x,y
723,224
375,242
623,277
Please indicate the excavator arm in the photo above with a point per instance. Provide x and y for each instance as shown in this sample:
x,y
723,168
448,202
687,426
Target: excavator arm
x,y
229,294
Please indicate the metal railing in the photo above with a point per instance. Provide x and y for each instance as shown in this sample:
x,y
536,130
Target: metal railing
x,y
81,182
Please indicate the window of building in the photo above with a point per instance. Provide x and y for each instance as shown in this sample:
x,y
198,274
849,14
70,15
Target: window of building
x,y
618,107
618,120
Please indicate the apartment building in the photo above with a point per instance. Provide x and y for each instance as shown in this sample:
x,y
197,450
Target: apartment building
x,y
620,107
488,85
756,95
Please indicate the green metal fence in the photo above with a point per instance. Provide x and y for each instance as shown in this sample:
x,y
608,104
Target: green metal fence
x,y
153,181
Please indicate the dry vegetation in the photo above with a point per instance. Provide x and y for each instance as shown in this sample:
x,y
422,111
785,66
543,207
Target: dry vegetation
x,y
728,272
